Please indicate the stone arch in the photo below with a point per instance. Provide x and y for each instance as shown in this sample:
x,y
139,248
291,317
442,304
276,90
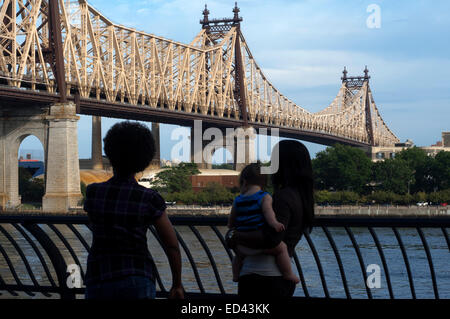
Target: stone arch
x,y
213,148
17,141
56,127
15,130
228,152
21,139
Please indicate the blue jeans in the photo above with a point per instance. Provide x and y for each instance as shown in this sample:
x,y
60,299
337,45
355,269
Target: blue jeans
x,y
130,287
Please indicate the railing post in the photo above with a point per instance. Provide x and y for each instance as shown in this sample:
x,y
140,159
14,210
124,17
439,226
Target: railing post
x,y
55,256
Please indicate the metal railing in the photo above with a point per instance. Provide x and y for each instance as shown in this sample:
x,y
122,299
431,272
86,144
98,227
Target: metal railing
x,y
35,252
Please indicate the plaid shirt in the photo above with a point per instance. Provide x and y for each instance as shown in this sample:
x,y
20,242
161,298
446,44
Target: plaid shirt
x,y
120,212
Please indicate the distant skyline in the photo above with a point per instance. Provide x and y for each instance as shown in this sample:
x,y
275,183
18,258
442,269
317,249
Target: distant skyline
x,y
303,46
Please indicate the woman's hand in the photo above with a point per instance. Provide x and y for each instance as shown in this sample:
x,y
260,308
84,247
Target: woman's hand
x,y
170,245
230,240
176,292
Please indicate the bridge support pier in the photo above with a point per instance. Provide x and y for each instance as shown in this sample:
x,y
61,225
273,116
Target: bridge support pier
x,y
156,162
210,147
245,147
17,123
196,151
62,185
240,143
96,153
56,129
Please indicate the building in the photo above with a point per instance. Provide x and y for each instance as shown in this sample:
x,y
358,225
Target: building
x,y
170,163
380,153
86,163
224,177
34,166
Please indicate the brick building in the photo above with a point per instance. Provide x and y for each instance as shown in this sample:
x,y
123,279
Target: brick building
x,y
227,178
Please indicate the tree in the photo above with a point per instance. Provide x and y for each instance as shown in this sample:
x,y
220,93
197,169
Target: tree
x,y
222,166
83,191
218,194
31,189
419,162
382,197
420,197
441,171
176,179
393,175
322,197
342,168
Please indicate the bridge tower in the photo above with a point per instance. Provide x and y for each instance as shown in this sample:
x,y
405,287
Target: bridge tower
x,y
243,151
355,83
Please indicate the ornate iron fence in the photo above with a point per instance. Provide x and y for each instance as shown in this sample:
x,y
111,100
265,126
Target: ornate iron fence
x,y
37,250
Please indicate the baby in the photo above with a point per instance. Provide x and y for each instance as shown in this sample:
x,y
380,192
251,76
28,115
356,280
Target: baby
x,y
251,210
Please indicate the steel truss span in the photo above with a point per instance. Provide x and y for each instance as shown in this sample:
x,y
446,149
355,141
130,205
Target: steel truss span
x,y
107,66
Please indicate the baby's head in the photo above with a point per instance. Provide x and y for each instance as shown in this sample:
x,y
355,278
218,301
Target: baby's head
x,y
251,175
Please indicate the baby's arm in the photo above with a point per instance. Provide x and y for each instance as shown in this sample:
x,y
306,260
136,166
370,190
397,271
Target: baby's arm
x,y
269,214
232,217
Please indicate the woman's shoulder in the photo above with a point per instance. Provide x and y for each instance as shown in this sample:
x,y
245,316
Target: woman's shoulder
x,y
93,187
153,194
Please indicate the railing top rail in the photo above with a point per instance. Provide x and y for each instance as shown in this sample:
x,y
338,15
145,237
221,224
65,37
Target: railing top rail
x,y
62,238
409,221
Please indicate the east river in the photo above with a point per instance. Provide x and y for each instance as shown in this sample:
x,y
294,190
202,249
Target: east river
x,y
439,249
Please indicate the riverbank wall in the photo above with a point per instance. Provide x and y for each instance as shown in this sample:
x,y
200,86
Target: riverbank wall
x,y
320,211
328,211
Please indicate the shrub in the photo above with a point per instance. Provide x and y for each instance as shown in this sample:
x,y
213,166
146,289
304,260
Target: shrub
x,y
420,197
30,189
347,197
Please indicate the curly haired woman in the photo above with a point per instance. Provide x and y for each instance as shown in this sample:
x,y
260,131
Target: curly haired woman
x,y
120,211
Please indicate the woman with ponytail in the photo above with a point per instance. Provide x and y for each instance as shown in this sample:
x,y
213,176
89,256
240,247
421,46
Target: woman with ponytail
x,y
293,203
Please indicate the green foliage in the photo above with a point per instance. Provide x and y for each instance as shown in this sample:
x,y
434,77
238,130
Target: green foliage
x,y
222,166
420,165
83,191
175,185
439,197
30,189
340,197
213,194
343,175
342,168
187,197
324,197
347,197
382,197
176,179
420,197
218,193
405,199
393,175
441,170
411,177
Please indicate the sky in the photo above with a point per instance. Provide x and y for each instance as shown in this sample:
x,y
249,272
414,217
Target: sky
x,y
302,47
